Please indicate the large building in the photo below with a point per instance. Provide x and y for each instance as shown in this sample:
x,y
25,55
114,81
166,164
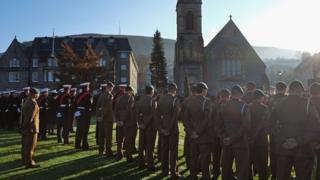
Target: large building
x,y
35,63
227,60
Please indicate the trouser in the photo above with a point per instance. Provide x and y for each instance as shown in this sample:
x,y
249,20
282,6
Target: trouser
x,y
129,141
169,153
59,129
29,143
302,166
43,125
200,155
216,157
187,150
120,140
241,156
259,160
97,134
273,157
83,125
147,139
105,137
66,128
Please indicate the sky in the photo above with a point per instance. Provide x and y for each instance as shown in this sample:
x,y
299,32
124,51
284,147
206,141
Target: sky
x,y
290,24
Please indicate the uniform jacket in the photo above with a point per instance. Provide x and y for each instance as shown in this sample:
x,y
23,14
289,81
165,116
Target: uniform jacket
x,y
295,117
197,115
233,121
145,112
168,113
104,107
123,110
30,117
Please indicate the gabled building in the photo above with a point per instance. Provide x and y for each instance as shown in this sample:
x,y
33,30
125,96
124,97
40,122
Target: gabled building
x,y
227,60
35,64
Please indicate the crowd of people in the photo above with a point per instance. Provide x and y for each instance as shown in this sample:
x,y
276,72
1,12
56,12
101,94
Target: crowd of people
x,y
263,134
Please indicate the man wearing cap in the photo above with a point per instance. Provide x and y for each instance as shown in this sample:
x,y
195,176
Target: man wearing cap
x,y
258,139
281,89
63,114
43,104
125,124
105,117
145,114
216,145
83,116
30,128
295,126
232,126
167,115
197,116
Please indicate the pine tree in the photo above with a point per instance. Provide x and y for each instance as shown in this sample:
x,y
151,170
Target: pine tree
x,y
74,69
158,63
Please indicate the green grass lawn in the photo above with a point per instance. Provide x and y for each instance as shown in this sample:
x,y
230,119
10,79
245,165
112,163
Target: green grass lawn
x,y
60,161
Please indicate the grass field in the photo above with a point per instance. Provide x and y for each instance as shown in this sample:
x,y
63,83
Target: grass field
x,y
60,161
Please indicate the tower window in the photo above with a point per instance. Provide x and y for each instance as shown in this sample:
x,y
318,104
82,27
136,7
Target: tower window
x,y
231,68
190,21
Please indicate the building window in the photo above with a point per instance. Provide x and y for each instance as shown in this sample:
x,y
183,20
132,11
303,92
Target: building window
x,y
231,68
14,63
123,80
111,41
123,67
52,62
189,21
14,76
102,62
48,76
35,62
34,76
123,55
45,41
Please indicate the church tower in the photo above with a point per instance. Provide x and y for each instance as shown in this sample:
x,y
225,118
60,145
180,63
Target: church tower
x,y
189,45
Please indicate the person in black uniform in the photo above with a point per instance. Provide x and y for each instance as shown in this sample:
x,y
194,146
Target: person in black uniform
x,y
52,110
83,116
43,105
73,96
63,114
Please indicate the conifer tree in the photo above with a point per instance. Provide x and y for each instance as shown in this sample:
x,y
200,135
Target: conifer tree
x,y
158,63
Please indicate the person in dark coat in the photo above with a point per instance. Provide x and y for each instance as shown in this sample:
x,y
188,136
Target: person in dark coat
x,y
250,89
83,117
232,126
167,115
145,113
295,126
197,117
258,139
44,106
281,89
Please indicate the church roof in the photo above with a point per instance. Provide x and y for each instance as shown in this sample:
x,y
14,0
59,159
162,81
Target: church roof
x,y
230,35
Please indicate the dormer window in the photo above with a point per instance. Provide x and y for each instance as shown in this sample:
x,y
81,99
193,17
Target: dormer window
x,y
52,62
14,63
45,40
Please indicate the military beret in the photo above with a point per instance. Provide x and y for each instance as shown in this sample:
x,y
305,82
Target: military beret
x,y
296,86
172,86
281,85
129,88
202,85
34,91
258,93
236,89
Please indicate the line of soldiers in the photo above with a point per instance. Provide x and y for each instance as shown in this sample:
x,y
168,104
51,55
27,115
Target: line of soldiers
x,y
236,126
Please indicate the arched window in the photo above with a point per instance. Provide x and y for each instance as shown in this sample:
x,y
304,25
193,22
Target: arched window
x,y
190,21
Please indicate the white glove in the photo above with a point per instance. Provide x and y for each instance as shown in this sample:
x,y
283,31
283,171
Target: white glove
x,y
77,114
59,115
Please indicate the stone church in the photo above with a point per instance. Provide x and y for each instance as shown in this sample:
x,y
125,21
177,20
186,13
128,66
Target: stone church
x,y
227,60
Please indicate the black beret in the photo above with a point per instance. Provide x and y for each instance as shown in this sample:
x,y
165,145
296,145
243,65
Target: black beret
x,y
237,89
172,86
258,93
34,91
202,85
296,86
